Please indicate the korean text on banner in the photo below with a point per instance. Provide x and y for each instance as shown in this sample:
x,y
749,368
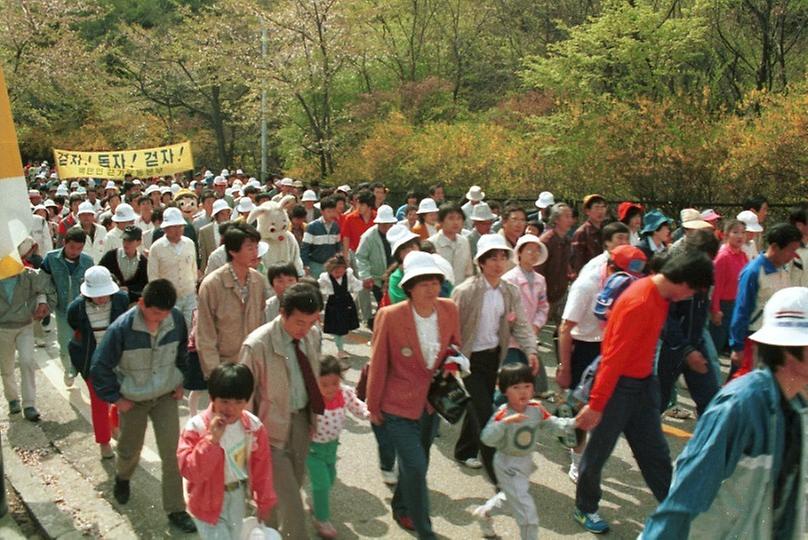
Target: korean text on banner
x,y
15,208
158,161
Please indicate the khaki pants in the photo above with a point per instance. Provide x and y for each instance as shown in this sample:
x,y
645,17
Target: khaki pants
x,y
164,414
289,471
20,340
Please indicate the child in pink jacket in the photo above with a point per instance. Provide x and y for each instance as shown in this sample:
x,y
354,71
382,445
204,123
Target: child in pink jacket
x,y
224,454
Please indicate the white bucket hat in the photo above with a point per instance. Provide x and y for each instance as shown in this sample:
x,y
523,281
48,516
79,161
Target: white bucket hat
x,y
172,217
110,185
239,172
52,203
385,215
482,212
98,282
220,181
208,174
245,204
164,190
124,213
309,195
398,235
225,173
420,263
489,242
175,188
218,206
785,319
287,182
427,206
750,219
475,193
545,199
691,219
530,239
84,208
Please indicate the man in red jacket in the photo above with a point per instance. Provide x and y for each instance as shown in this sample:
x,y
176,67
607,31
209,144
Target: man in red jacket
x,y
625,395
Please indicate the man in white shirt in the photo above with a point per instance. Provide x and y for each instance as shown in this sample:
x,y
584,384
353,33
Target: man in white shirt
x,y
173,257
580,332
209,235
96,234
450,244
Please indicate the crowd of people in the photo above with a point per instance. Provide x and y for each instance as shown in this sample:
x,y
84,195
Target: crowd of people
x,y
220,290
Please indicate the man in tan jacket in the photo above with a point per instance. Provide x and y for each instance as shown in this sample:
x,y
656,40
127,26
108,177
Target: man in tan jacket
x,y
490,314
284,357
231,300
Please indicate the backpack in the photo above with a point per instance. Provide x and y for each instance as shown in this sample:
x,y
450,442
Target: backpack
x,y
611,291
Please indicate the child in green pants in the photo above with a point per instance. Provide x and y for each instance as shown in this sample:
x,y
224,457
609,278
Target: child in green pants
x,y
322,459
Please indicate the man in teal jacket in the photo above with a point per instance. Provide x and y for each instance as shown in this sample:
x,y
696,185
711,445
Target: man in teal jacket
x,y
742,475
66,267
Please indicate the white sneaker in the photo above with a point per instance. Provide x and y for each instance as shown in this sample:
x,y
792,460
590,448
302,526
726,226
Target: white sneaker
x,y
573,472
472,463
485,521
68,379
390,477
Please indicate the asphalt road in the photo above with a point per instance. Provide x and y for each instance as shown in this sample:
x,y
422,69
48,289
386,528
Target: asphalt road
x,y
61,450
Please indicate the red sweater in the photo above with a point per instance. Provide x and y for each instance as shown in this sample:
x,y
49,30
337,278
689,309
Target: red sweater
x,y
728,265
353,226
630,339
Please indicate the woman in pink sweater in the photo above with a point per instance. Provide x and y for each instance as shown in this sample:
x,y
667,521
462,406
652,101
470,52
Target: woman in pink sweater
x,y
728,265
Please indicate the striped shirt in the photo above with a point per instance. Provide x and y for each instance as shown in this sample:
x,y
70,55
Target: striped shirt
x,y
99,317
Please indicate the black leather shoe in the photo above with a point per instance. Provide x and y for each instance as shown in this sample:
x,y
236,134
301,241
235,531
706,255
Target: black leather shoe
x,y
121,491
182,521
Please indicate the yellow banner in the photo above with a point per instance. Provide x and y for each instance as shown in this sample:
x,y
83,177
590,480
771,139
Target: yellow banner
x,y
158,161
15,216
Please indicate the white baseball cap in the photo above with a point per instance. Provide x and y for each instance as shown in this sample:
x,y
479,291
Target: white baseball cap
x,y
785,319
84,208
309,195
172,217
345,188
175,188
164,190
225,173
489,242
98,282
111,185
750,219
420,263
287,182
545,199
218,206
151,189
398,235
427,206
239,172
531,239
475,193
220,181
385,215
245,205
208,174
124,213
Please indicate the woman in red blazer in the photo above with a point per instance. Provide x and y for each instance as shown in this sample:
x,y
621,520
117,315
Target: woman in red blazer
x,y
409,343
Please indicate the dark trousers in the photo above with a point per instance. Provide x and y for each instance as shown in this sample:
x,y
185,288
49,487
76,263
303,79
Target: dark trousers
x,y
583,354
720,334
633,410
480,386
702,386
412,440
387,452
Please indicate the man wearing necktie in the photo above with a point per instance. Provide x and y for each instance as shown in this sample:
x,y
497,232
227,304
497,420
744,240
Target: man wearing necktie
x,y
284,357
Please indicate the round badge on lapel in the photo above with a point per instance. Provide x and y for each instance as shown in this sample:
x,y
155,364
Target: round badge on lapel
x,y
406,351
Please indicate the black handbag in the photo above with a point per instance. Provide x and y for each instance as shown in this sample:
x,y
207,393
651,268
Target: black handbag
x,y
447,395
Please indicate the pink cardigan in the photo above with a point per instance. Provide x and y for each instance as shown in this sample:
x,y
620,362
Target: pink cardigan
x,y
398,379
534,303
202,464
728,266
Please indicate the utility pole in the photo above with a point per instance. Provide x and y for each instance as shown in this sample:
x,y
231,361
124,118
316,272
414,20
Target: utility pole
x,y
263,106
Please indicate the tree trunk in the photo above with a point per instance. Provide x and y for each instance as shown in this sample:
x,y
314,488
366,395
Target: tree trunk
x,y
218,126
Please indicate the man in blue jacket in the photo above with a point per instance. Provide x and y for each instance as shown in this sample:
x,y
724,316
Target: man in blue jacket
x,y
742,475
139,366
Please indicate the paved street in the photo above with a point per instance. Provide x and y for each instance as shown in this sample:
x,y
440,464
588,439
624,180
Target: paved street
x,y
62,453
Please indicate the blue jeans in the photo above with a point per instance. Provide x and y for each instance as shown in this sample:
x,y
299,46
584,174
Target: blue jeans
x,y
633,410
702,386
412,440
